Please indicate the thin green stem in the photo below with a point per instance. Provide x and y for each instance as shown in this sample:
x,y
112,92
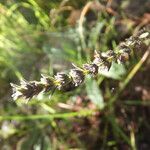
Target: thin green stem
x,y
82,113
137,102
130,76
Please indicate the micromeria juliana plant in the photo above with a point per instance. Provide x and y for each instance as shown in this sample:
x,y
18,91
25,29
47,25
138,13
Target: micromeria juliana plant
x,y
67,82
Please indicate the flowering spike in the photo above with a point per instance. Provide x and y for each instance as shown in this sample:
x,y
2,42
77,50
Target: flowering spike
x,y
91,68
67,82
78,76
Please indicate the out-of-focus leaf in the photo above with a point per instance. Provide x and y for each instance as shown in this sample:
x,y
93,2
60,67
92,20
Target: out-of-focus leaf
x,y
47,143
29,141
7,130
117,71
94,92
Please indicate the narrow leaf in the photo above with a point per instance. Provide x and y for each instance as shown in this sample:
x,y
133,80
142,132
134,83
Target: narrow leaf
x,y
94,93
117,71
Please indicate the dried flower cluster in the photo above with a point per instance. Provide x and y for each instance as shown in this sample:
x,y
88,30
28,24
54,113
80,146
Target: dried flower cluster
x,y
67,82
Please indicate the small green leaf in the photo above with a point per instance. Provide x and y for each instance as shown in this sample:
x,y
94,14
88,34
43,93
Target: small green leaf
x,y
117,71
94,93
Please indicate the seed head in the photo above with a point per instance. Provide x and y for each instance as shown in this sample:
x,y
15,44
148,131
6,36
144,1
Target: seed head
x,y
78,76
103,60
64,81
91,68
48,82
26,89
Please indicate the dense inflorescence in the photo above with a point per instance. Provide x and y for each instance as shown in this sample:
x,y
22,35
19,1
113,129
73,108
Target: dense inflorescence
x,y
67,82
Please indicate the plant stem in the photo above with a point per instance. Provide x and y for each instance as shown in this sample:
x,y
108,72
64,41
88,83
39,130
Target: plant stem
x,y
129,77
82,113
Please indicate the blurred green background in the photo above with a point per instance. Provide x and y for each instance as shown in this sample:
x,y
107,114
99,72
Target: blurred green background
x,y
46,36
